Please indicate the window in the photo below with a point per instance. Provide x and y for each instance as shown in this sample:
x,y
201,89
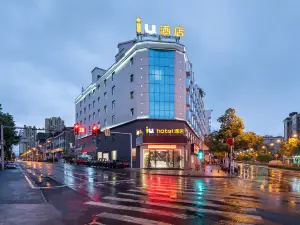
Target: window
x,y
132,111
131,95
98,87
131,77
89,95
98,112
105,122
94,114
113,119
84,110
105,109
104,82
161,84
105,95
112,76
89,117
114,155
98,99
98,77
113,90
84,99
76,115
80,103
80,112
133,154
84,121
94,92
94,104
113,104
99,154
80,122
131,61
89,106
105,140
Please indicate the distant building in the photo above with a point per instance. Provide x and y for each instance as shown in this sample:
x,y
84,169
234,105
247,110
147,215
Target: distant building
x,y
27,138
61,143
273,142
292,126
54,124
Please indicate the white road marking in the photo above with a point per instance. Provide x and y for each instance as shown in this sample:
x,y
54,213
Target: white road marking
x,y
212,211
246,209
96,223
137,209
130,219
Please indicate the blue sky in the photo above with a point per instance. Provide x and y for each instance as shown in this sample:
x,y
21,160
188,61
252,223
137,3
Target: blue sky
x,y
245,54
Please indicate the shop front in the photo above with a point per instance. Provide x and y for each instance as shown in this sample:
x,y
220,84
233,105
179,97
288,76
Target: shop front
x,y
162,156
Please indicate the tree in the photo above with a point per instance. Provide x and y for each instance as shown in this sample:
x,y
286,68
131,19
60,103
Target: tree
x,y
289,148
248,140
10,135
231,125
214,143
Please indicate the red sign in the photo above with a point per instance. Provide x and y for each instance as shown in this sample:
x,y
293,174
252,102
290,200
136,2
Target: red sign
x,y
229,141
82,130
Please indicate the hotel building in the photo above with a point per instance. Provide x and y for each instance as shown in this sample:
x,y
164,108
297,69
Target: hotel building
x,y
149,92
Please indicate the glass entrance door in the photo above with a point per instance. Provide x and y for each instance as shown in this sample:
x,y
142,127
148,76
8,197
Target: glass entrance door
x,y
159,158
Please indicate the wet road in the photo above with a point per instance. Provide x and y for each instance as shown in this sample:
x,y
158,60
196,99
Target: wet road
x,y
95,196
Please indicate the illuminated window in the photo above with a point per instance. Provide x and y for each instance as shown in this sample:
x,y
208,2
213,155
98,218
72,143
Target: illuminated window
x,y
99,155
131,77
133,154
131,95
114,155
161,84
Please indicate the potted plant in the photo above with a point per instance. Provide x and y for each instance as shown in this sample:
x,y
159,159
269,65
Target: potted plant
x,y
178,159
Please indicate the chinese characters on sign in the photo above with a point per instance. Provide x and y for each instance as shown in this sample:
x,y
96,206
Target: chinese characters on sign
x,y
164,30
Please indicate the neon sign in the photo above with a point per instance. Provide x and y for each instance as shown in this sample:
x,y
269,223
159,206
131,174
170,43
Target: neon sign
x,y
164,30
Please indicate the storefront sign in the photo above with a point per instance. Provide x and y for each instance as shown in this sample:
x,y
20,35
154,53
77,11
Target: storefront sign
x,y
164,30
164,131
162,146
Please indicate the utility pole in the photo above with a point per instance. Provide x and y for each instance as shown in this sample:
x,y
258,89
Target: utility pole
x,y
2,147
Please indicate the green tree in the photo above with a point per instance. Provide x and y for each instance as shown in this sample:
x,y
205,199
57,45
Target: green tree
x,y
214,143
289,148
10,134
248,140
231,125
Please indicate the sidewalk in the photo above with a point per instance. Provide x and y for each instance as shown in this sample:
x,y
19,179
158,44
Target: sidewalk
x,y
20,204
211,171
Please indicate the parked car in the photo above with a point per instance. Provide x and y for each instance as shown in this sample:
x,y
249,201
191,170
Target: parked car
x,y
80,161
11,165
119,164
126,163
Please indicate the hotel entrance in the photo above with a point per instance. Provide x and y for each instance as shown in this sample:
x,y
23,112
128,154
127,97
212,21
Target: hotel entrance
x,y
160,156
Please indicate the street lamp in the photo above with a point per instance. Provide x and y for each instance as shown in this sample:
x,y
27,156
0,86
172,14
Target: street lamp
x,y
295,135
278,140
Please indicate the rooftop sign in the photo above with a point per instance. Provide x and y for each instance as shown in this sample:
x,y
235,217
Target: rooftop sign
x,y
164,31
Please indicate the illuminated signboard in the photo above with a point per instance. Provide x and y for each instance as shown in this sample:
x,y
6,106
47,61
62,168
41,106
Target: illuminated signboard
x,y
164,30
164,131
81,130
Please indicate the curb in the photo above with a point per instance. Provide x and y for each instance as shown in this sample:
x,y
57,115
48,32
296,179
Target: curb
x,y
188,175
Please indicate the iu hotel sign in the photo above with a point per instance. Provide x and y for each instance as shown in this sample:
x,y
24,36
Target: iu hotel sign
x,y
164,30
161,131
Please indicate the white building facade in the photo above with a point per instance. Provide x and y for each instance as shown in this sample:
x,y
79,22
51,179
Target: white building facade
x,y
151,83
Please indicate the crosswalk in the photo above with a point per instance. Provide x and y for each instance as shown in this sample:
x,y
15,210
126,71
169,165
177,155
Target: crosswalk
x,y
166,203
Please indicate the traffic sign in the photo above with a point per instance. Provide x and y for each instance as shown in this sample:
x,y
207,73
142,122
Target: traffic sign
x,y
107,132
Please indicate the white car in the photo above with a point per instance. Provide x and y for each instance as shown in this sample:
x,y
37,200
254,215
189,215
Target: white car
x,y
11,165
